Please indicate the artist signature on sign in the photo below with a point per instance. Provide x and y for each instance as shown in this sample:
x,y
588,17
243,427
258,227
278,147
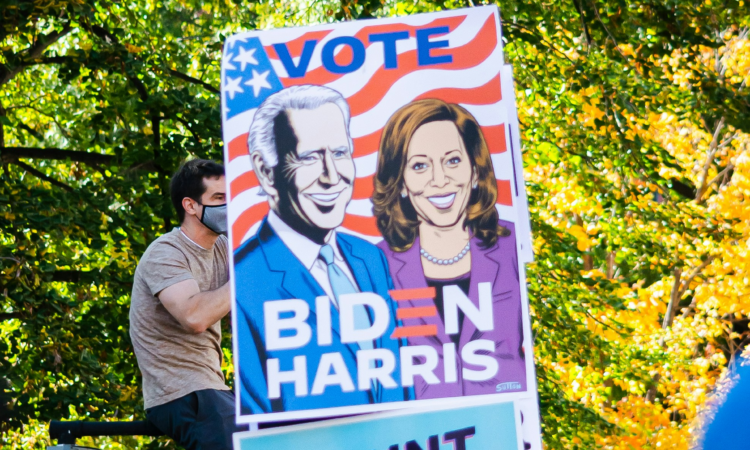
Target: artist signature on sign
x,y
509,386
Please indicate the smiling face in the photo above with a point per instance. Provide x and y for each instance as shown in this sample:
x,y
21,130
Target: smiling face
x,y
321,170
438,176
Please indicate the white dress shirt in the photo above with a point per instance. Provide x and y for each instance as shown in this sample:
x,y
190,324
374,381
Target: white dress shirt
x,y
308,253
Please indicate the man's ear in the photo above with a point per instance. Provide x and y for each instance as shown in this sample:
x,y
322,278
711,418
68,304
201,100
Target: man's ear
x,y
264,174
190,206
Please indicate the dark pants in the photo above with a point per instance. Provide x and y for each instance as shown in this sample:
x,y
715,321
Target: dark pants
x,y
202,420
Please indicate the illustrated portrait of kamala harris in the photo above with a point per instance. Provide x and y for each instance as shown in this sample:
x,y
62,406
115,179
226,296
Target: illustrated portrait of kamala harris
x,y
434,200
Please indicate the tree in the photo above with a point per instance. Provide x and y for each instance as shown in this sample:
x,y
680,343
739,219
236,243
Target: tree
x,y
100,104
635,126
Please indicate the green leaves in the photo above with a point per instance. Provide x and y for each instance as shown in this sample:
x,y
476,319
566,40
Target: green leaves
x,y
618,103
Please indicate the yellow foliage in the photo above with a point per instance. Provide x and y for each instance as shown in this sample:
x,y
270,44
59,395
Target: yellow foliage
x,y
133,48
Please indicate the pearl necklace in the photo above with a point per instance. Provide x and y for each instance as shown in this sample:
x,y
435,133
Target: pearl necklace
x,y
448,261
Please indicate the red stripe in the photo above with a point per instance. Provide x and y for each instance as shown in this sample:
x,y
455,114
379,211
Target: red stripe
x,y
245,221
481,95
464,57
494,135
414,331
321,75
295,46
416,312
412,294
362,225
238,146
504,193
363,187
366,145
242,183
487,94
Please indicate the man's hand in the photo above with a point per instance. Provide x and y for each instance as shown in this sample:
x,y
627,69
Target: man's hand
x,y
195,310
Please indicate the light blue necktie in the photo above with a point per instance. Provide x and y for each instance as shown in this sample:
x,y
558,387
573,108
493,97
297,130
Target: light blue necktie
x,y
341,285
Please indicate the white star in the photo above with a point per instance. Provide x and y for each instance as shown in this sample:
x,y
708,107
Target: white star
x,y
226,62
258,81
246,57
232,86
236,40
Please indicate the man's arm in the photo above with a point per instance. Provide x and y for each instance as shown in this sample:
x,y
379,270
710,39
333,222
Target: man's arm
x,y
195,310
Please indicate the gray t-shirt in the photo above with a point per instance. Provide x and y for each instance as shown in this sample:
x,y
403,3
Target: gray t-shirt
x,y
175,362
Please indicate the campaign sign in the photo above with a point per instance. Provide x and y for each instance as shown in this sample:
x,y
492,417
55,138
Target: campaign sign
x,y
377,217
485,427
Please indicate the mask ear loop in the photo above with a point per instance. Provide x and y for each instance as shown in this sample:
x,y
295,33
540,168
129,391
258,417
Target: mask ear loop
x,y
203,214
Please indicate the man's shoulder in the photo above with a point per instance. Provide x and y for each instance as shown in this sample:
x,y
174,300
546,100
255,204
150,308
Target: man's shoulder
x,y
247,250
222,241
166,243
171,237
362,248
250,252
358,243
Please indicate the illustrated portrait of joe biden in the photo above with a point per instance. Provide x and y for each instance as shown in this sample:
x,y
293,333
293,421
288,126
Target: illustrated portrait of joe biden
x,y
301,152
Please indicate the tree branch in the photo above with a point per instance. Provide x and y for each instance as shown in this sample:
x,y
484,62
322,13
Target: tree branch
x,y
35,134
190,79
614,41
541,39
712,149
62,129
674,298
686,284
42,176
679,288
189,127
47,60
8,316
163,181
2,129
84,276
586,33
721,174
68,276
12,153
110,39
588,261
611,264
34,52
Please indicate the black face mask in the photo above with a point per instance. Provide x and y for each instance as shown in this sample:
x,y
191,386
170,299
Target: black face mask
x,y
214,217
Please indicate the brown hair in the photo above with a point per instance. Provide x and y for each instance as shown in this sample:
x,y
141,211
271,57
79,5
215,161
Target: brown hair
x,y
396,217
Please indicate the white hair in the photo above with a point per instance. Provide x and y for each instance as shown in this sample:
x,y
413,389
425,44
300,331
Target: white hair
x,y
261,138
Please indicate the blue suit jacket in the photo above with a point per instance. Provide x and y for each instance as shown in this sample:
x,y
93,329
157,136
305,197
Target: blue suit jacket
x,y
265,269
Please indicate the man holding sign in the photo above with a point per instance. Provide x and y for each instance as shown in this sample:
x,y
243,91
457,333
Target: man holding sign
x,y
323,295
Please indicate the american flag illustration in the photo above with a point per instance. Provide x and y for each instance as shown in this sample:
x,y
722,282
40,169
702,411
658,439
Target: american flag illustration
x,y
252,69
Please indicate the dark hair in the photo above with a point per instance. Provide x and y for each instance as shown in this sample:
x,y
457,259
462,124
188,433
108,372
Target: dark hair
x,y
188,182
396,218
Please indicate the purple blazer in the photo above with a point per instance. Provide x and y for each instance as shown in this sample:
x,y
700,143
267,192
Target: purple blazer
x,y
498,265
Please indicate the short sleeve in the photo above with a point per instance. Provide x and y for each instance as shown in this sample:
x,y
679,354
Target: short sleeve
x,y
164,266
223,244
